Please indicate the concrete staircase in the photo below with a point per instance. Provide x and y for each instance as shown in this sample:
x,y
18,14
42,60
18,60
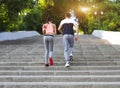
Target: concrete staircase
x,y
96,64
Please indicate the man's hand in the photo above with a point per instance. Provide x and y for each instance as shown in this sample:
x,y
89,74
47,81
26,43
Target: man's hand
x,y
76,37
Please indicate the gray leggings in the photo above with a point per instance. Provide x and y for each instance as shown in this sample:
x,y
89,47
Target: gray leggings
x,y
68,42
48,44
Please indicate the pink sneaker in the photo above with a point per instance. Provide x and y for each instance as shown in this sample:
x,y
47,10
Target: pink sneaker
x,y
51,61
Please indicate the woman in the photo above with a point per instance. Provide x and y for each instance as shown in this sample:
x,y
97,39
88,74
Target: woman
x,y
49,30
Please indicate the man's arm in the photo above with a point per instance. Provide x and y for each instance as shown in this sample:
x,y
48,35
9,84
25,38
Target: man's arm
x,y
77,32
55,29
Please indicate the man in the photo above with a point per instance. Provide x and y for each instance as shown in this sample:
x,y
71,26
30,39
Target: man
x,y
67,26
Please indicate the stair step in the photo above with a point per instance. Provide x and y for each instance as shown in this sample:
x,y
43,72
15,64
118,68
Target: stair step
x,y
96,65
60,68
60,83
72,78
61,59
57,72
61,63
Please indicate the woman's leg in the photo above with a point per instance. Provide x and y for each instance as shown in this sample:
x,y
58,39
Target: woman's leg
x,y
46,45
51,44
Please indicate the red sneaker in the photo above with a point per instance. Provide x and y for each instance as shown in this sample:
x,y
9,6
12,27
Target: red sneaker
x,y
51,61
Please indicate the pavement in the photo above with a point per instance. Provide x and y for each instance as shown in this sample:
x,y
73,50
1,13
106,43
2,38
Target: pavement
x,y
96,64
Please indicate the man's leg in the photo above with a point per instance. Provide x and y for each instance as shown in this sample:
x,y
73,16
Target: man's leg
x,y
71,43
65,43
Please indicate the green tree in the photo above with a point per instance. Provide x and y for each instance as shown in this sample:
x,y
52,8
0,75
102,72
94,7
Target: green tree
x,y
109,18
31,14
58,9
12,8
4,20
33,20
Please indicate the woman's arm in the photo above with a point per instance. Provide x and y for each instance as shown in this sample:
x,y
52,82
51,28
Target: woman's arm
x,y
43,29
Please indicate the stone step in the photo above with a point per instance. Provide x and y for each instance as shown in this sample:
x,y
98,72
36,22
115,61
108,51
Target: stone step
x,y
96,64
60,84
59,60
61,63
61,78
59,72
60,68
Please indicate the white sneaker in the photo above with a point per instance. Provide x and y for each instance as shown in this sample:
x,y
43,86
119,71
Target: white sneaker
x,y
67,65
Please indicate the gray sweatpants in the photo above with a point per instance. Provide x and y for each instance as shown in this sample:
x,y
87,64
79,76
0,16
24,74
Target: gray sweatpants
x,y
48,44
68,42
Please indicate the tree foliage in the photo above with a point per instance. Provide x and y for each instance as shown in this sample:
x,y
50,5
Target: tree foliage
x,y
4,20
32,21
108,20
31,14
12,8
